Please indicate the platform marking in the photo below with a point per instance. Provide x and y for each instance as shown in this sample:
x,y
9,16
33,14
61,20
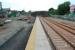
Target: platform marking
x,y
31,41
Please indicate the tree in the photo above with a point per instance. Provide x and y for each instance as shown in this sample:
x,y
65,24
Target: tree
x,y
52,11
40,13
23,12
63,8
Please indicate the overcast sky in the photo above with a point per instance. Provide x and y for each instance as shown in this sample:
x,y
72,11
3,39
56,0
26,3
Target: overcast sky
x,y
33,5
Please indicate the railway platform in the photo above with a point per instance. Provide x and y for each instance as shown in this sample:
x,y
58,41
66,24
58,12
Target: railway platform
x,y
38,39
49,34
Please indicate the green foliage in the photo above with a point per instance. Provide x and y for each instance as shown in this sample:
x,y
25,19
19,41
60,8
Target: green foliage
x,y
22,12
63,8
40,13
51,11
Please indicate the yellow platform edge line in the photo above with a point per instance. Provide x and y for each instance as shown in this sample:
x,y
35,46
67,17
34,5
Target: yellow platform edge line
x,y
31,41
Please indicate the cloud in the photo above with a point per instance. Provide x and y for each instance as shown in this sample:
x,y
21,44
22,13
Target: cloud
x,y
33,5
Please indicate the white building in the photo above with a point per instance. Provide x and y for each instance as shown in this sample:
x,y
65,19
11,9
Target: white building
x,y
72,8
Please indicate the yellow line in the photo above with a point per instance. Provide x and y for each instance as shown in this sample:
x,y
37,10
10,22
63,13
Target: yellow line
x,y
31,41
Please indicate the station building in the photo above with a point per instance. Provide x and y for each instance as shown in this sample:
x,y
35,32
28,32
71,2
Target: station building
x,y
72,8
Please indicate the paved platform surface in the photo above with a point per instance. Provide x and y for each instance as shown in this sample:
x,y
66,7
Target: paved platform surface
x,y
38,40
12,29
18,41
15,38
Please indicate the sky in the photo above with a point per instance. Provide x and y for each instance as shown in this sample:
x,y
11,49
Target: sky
x,y
33,5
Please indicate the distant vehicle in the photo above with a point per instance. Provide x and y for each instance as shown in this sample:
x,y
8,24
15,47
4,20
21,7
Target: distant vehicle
x,y
25,18
8,21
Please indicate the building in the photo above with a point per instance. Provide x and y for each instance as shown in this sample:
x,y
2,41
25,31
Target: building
x,y
0,5
72,8
6,11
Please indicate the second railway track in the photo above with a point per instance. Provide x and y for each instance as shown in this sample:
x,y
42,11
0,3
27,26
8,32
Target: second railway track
x,y
62,36
65,26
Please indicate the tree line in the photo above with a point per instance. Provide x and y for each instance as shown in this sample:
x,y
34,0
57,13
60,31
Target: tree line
x,y
61,10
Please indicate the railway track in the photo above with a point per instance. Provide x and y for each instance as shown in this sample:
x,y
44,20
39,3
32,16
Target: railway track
x,y
61,35
69,26
68,23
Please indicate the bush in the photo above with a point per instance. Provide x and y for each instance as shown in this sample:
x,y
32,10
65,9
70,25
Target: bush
x,y
1,24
